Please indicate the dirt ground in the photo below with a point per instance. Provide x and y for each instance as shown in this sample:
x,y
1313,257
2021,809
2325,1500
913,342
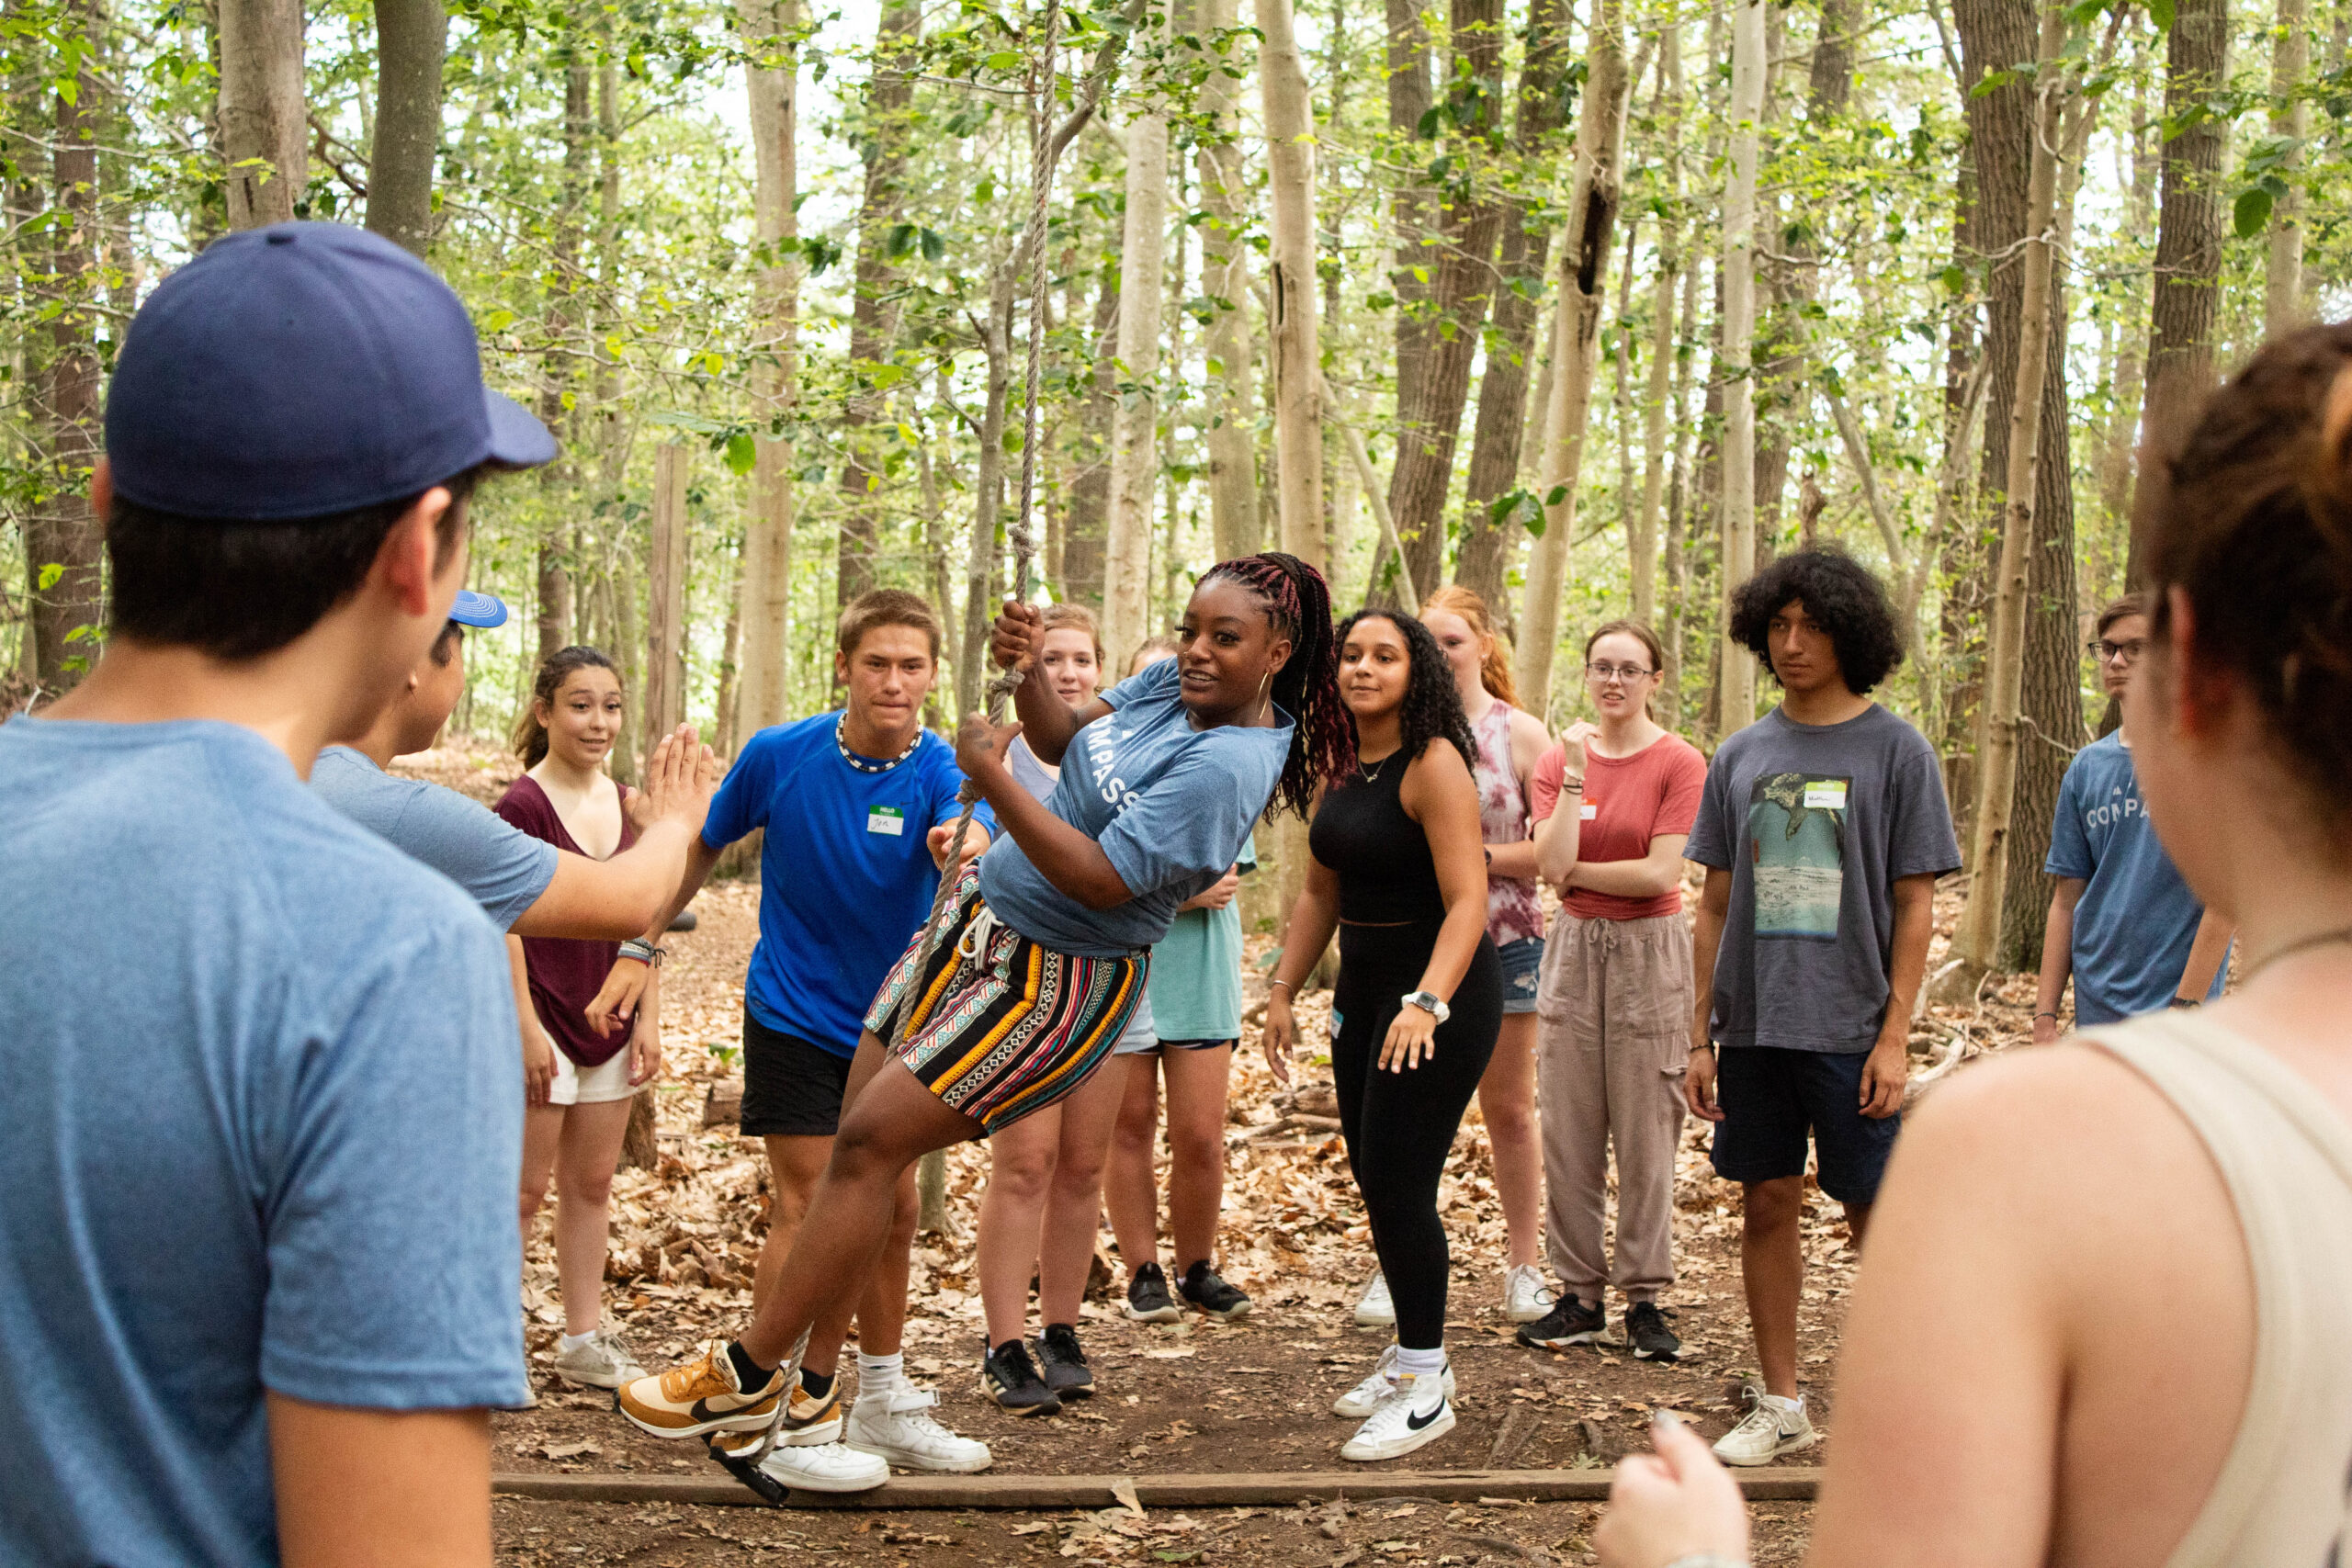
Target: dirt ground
x,y
1194,1397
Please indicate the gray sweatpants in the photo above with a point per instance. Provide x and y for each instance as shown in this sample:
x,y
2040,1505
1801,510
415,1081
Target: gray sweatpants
x,y
1611,1044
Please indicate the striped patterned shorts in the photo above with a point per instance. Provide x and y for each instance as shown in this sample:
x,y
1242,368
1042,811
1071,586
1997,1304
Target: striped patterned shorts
x,y
997,1026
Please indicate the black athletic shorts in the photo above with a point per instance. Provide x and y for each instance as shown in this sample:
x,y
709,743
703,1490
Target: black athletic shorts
x,y
1774,1098
792,1087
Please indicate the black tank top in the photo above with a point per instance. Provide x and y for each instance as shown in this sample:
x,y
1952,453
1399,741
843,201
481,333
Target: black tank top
x,y
1386,874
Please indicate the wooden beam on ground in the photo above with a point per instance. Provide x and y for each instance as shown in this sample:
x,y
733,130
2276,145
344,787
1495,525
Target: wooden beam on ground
x,y
1276,1489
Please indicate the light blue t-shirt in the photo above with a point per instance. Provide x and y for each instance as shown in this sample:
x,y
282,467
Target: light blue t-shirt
x,y
2136,920
1195,987
1170,806
500,867
846,874
263,1117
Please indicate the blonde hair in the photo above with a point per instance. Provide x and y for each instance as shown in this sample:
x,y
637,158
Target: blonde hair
x,y
1163,643
1494,669
1066,616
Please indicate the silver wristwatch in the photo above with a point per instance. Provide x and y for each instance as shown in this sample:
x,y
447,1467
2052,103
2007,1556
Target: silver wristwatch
x,y
1427,1001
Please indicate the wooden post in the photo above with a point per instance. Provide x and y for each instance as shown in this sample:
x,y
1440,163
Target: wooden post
x,y
664,697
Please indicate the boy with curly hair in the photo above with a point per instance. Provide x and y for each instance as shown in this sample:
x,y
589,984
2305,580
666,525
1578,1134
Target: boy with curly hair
x,y
1823,830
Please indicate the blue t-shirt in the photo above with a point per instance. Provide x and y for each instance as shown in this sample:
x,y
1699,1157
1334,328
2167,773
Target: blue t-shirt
x,y
263,1117
845,876
1170,806
500,867
1195,987
2137,918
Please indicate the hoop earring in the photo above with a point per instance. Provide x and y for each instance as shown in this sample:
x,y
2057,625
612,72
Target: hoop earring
x,y
1265,681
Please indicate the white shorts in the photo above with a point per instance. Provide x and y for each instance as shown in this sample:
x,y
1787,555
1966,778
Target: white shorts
x,y
606,1081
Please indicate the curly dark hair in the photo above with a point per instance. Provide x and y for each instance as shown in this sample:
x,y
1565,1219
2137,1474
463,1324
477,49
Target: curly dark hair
x,y
1838,592
1298,603
1432,706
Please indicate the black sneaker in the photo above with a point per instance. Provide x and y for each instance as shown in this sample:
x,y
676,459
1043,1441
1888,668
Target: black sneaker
x,y
1010,1377
1570,1322
1646,1331
1064,1363
1205,1289
1147,1297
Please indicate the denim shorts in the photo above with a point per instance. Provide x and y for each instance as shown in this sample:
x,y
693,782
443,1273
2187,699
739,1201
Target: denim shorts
x,y
1522,961
1772,1099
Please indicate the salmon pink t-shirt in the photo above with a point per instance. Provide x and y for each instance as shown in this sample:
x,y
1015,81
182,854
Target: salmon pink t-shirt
x,y
1627,801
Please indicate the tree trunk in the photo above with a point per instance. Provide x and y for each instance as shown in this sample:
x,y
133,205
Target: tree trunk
x,y
664,689
1483,558
1089,477
1291,326
554,575
62,535
1225,279
773,92
412,38
1135,419
988,498
1679,595
2188,291
1593,207
873,315
1444,334
263,138
1661,373
1412,216
1738,705
2290,119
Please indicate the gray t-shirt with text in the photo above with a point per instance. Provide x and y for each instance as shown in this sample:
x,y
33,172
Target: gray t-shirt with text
x,y
1817,822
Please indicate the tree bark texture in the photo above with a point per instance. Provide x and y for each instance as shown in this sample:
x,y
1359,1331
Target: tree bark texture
x,y
1135,418
63,537
1643,538
987,500
1593,207
2283,306
1496,439
1225,279
1290,327
554,577
265,139
874,316
412,39
664,688
1738,705
1412,218
773,92
1459,256
1090,454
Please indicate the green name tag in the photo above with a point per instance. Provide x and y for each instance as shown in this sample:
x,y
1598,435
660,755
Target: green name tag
x,y
885,819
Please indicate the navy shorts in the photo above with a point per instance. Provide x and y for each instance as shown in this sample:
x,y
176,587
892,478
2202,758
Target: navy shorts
x,y
1773,1100
792,1087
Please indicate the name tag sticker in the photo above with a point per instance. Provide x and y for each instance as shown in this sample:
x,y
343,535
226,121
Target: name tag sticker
x,y
1824,794
885,819
1589,811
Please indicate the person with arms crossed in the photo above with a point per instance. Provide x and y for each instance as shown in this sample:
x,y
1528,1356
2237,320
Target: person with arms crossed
x,y
1017,993
854,806
1613,804
1823,828
2018,1387
258,1252
2122,923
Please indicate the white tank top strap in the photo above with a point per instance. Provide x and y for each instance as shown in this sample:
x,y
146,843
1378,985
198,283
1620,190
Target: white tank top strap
x,y
2284,1493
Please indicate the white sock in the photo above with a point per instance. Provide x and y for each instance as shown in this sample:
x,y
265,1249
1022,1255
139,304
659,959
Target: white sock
x,y
880,1374
1419,1363
1786,1406
573,1341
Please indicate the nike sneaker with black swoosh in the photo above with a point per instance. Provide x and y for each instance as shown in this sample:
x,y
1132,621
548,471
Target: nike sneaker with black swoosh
x,y
1417,1413
703,1396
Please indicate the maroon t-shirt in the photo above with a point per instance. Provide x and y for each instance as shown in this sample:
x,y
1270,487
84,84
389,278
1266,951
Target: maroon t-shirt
x,y
566,971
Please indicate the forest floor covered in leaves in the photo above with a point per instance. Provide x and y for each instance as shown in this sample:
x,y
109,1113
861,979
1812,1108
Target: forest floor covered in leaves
x,y
1247,1397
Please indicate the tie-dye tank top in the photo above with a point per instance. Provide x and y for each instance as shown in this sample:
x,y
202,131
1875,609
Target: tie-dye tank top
x,y
1513,912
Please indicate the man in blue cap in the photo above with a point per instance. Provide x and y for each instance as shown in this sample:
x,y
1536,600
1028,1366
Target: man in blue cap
x,y
257,1251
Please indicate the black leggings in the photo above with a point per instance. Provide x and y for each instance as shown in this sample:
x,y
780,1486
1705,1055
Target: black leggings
x,y
1400,1127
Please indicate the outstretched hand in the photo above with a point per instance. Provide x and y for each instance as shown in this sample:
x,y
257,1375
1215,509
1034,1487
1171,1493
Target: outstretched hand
x,y
1675,1503
680,779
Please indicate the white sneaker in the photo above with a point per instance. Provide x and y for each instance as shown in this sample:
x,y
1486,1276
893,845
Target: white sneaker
x,y
602,1361
1368,1395
1409,1418
1768,1431
896,1428
1375,1310
1525,1296
825,1467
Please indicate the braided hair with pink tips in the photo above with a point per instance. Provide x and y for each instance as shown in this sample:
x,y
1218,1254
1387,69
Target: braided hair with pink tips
x,y
1298,601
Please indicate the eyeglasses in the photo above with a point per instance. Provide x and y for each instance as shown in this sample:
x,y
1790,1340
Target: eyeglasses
x,y
2125,653
1607,672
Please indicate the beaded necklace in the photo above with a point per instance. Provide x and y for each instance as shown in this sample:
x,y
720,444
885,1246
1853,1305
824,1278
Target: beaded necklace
x,y
860,764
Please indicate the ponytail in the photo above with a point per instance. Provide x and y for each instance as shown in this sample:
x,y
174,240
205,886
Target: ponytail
x,y
530,737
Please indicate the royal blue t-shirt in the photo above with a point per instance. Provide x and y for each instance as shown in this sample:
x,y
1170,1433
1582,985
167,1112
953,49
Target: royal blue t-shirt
x,y
2136,920
845,876
1170,806
263,1133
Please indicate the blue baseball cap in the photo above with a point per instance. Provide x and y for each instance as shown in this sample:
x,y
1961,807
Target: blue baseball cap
x,y
481,610
303,370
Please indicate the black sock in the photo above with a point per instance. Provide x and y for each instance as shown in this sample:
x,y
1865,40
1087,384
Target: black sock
x,y
749,1374
819,1384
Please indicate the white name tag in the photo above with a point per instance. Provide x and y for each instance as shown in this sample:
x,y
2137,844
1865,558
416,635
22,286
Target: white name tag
x,y
1589,811
885,819
1824,794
